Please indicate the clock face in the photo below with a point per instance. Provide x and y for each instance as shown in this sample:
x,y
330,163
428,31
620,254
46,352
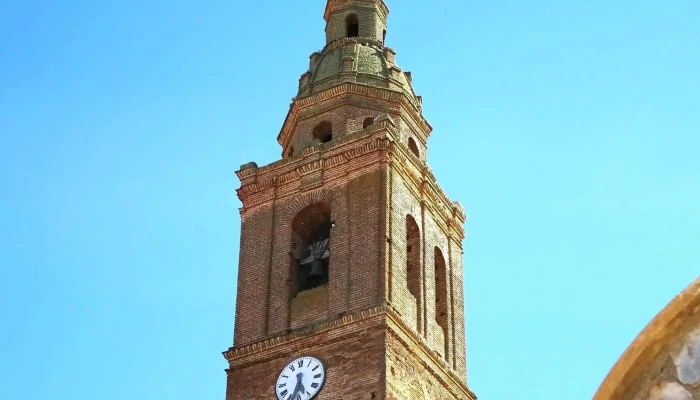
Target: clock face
x,y
301,379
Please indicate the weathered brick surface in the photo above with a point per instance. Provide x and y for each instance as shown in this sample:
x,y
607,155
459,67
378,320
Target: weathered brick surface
x,y
389,323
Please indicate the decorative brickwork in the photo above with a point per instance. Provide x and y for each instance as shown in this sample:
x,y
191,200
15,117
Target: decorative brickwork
x,y
350,250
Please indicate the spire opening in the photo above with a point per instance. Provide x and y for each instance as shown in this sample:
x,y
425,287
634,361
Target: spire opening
x,y
323,132
352,24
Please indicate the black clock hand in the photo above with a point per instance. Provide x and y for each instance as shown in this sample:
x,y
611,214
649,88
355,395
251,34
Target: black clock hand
x,y
298,387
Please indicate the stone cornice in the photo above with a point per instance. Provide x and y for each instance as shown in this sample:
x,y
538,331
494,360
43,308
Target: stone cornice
x,y
412,341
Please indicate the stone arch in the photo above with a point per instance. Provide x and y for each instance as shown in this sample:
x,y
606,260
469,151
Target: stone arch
x,y
668,340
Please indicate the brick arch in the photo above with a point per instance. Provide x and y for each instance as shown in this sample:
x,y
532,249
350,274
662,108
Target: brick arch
x,y
323,195
303,132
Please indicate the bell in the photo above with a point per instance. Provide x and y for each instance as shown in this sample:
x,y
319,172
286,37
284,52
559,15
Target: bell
x,y
317,270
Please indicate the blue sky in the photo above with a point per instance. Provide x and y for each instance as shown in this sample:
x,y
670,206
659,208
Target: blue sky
x,y
569,130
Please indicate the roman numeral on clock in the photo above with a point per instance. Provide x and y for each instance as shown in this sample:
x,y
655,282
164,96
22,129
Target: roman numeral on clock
x,y
314,385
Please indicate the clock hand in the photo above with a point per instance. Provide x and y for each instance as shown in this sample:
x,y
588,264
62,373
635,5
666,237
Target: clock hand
x,y
299,386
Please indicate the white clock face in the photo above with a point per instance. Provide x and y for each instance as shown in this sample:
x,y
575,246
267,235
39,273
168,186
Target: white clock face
x,y
301,379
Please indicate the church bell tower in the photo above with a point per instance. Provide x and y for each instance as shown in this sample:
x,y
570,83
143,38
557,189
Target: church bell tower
x,y
350,281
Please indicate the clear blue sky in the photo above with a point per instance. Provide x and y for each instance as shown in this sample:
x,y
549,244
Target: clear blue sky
x,y
574,126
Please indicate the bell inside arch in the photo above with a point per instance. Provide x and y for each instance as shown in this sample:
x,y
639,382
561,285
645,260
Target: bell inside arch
x,y
317,270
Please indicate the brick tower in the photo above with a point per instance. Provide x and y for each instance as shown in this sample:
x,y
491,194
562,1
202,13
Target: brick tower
x,y
351,254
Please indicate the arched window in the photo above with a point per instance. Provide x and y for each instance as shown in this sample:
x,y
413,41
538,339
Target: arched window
x,y
324,132
367,122
441,309
413,264
384,37
413,147
311,233
353,25
290,152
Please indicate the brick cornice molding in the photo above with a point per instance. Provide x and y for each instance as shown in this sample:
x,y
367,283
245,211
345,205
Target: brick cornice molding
x,y
388,95
258,185
235,353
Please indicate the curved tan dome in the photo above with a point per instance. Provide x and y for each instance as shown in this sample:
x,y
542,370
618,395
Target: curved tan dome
x,y
360,60
663,362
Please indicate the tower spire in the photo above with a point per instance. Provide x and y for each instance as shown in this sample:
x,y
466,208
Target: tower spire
x,y
355,18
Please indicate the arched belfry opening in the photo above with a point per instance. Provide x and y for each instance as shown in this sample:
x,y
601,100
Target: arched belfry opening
x,y
311,234
413,265
369,121
413,147
352,24
323,132
441,316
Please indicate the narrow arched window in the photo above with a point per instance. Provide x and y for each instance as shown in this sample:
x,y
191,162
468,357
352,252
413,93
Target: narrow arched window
x,y
290,152
413,265
384,37
311,233
323,132
353,25
441,303
413,147
367,122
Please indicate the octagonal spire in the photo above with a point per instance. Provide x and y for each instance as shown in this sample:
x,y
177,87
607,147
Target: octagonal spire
x,y
356,18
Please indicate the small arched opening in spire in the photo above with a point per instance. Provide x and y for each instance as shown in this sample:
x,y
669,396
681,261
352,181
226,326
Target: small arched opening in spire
x,y
369,121
323,132
384,37
413,147
352,23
